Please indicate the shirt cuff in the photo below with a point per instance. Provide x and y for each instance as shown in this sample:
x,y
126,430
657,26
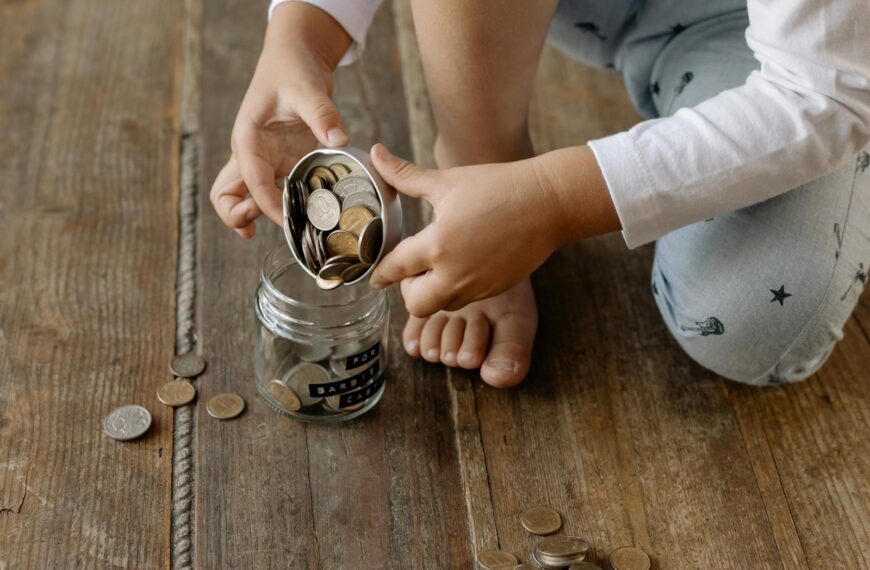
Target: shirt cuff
x,y
631,189
355,16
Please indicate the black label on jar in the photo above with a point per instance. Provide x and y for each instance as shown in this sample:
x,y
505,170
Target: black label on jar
x,y
355,397
360,358
345,384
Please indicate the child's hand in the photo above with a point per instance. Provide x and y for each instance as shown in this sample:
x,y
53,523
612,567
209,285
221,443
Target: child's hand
x,y
288,108
494,224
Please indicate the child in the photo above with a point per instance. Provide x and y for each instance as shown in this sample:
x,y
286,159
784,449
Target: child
x,y
749,173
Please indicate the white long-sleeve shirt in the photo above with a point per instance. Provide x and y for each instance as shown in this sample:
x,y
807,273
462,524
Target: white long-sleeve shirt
x,y
802,114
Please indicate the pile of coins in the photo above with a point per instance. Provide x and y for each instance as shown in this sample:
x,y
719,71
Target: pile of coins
x,y
334,222
130,422
559,551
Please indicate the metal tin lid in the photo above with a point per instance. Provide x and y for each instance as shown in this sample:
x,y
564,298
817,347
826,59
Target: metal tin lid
x,y
322,235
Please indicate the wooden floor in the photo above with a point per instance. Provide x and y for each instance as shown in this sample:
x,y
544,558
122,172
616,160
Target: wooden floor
x,y
615,427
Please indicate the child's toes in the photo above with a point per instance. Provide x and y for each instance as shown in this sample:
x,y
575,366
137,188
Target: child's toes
x,y
510,355
451,339
474,342
430,339
411,335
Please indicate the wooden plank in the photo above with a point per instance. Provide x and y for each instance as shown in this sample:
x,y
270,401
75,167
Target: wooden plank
x,y
88,193
382,491
614,427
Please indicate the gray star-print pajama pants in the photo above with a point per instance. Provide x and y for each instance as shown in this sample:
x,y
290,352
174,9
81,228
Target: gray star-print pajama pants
x,y
759,295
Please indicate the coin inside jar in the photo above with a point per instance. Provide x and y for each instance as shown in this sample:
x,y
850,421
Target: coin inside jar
x,y
629,558
176,393
284,395
225,406
496,560
301,376
541,520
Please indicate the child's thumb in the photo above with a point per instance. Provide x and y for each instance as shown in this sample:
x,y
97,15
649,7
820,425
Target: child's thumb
x,y
401,174
322,117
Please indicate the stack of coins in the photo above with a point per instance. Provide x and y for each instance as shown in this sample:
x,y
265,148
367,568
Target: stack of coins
x,y
334,221
560,551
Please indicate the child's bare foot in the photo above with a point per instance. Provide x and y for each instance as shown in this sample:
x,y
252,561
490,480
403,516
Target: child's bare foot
x,y
495,335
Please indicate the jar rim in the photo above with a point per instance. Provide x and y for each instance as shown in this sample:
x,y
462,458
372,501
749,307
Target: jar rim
x,y
266,279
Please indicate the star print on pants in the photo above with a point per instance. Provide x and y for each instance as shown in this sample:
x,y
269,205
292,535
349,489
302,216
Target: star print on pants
x,y
780,295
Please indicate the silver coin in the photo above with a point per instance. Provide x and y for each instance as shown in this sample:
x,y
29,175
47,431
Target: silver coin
x,y
308,249
370,241
127,422
327,284
324,209
301,376
187,365
313,352
319,248
365,199
353,183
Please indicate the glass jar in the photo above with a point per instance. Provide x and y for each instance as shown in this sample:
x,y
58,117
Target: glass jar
x,y
319,355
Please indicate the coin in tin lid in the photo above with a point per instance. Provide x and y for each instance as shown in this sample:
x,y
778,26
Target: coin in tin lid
x,y
629,558
353,183
341,242
332,270
284,395
225,406
354,271
340,170
370,240
127,422
541,520
176,393
496,560
369,201
187,365
325,173
354,219
316,183
323,209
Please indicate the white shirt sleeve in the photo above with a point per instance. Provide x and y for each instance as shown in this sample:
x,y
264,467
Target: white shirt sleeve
x,y
355,16
800,116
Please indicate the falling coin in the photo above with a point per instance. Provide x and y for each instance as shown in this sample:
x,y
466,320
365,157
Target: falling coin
x,y
341,242
354,272
327,284
370,241
323,210
496,560
332,270
354,219
284,394
127,422
629,558
541,520
187,365
225,406
176,393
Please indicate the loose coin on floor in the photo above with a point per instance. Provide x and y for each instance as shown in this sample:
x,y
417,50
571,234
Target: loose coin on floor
x,y
187,365
541,520
176,393
225,406
284,394
127,422
629,558
495,560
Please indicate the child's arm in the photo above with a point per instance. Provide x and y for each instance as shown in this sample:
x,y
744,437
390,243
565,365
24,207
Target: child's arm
x,y
287,110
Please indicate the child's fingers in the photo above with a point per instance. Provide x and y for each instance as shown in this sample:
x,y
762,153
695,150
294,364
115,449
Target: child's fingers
x,y
229,197
407,259
322,117
426,294
257,171
405,176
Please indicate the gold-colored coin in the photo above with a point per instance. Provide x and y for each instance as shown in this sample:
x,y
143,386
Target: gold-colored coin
x,y
327,284
541,520
340,170
284,394
332,270
187,365
354,219
333,401
225,406
496,560
629,558
370,239
316,183
341,242
176,393
326,174
354,271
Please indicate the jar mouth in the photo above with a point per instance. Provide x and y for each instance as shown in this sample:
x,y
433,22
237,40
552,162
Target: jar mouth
x,y
279,262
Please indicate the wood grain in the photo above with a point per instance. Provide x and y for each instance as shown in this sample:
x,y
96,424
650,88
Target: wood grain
x,y
88,192
380,492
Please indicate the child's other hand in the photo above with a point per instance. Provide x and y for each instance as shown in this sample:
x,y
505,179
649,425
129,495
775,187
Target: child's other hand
x,y
287,110
493,225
